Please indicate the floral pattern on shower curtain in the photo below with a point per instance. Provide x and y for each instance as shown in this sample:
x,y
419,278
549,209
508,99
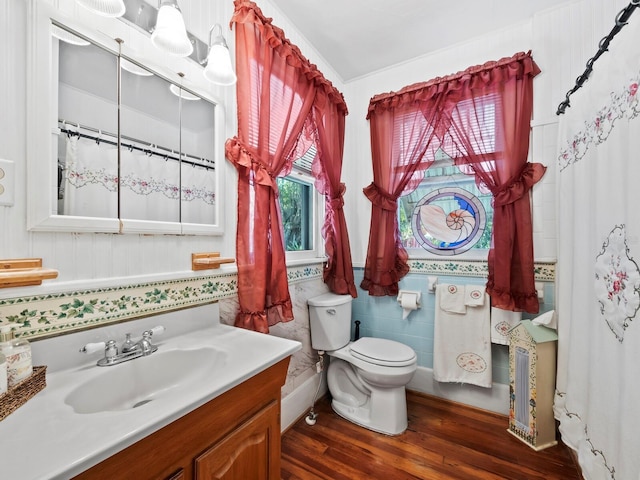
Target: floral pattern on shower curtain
x,y
598,395
90,179
152,188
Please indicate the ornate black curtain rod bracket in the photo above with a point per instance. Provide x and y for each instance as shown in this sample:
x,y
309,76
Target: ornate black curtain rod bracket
x,y
621,20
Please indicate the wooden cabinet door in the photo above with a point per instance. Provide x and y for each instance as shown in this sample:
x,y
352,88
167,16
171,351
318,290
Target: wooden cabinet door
x,y
250,452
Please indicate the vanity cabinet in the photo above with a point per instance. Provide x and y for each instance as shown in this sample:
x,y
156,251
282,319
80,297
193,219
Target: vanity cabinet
x,y
235,436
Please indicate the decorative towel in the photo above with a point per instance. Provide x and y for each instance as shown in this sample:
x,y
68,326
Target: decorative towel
x,y
462,343
501,322
474,295
451,298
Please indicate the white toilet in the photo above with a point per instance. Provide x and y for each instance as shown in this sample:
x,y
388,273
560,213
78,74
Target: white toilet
x,y
366,378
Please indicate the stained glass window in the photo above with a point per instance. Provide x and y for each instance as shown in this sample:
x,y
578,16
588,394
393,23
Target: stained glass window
x,y
447,214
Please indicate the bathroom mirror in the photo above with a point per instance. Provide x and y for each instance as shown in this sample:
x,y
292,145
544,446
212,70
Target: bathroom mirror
x,y
119,145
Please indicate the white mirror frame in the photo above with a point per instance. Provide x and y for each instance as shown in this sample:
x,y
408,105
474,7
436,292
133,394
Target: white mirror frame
x,y
42,114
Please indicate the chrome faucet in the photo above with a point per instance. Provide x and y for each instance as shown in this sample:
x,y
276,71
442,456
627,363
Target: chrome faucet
x,y
128,350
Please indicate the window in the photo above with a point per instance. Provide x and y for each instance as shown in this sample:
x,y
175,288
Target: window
x,y
296,205
302,209
447,214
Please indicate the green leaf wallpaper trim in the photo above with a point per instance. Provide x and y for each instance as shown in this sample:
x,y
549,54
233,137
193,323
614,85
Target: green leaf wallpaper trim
x,y
40,316
54,314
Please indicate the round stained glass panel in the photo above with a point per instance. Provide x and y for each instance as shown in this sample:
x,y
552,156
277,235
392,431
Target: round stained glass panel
x,y
448,221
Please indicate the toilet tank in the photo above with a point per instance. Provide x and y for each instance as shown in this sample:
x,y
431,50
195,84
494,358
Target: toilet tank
x,y
330,321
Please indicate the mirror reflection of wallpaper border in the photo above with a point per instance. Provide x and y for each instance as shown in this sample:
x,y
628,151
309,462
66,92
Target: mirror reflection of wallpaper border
x,y
41,316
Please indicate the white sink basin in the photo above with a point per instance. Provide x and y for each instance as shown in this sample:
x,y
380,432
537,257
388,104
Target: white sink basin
x,y
137,382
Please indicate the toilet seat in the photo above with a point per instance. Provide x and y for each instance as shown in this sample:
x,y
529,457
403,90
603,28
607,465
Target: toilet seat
x,y
380,351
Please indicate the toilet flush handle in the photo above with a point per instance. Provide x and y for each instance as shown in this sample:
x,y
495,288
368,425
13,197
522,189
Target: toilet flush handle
x,y
331,311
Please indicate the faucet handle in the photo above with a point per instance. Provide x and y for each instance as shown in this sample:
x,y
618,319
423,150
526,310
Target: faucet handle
x,y
110,349
93,347
159,330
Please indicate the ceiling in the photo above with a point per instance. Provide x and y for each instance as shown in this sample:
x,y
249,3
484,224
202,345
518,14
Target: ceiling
x,y
357,37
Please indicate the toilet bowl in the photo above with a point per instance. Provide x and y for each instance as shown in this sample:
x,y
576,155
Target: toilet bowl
x,y
366,378
367,393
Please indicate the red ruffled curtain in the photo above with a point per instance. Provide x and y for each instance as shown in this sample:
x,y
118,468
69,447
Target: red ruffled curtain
x,y
274,100
489,127
329,121
481,117
276,90
400,137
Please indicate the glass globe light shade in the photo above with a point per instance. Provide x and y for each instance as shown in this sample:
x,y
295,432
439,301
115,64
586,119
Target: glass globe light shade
x,y
170,33
219,69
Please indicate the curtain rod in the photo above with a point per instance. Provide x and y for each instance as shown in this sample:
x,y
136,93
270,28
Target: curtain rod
x,y
149,150
621,20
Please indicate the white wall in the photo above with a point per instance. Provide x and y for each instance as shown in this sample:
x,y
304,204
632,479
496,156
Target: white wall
x,y
561,39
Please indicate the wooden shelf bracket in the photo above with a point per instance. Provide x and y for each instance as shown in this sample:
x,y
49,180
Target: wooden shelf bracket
x,y
24,272
208,260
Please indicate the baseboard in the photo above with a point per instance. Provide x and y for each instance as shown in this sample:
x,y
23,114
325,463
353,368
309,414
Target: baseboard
x,y
298,403
495,399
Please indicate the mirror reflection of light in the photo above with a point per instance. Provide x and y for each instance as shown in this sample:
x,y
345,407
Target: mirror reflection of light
x,y
135,69
68,37
178,92
105,8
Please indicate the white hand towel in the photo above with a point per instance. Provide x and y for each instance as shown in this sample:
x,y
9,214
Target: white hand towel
x,y
462,345
451,298
501,322
474,295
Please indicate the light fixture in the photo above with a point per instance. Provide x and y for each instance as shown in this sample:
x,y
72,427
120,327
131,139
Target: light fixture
x,y
219,69
170,33
106,8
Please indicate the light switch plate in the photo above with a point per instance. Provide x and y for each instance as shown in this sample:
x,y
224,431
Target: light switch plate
x,y
7,182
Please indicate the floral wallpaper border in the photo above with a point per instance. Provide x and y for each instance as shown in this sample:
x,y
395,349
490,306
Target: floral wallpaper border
x,y
41,316
543,271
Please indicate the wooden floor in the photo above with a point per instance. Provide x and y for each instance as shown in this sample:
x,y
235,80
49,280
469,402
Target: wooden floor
x,y
444,440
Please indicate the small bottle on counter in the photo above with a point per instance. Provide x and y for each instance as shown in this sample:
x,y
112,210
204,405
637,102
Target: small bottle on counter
x,y
18,355
3,374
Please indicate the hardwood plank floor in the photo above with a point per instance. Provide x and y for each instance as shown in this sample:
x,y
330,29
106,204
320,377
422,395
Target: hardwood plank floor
x,y
445,440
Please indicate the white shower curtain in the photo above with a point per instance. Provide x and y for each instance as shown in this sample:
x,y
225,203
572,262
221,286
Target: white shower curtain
x,y
150,187
598,392
90,179
198,194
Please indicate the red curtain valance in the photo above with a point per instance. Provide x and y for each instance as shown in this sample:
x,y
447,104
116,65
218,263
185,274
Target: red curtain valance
x,y
249,12
472,78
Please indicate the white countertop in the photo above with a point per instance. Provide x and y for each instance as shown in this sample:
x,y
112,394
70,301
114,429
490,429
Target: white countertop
x,y
46,439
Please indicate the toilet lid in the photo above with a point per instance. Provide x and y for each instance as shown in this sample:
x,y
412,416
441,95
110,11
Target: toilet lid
x,y
381,351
